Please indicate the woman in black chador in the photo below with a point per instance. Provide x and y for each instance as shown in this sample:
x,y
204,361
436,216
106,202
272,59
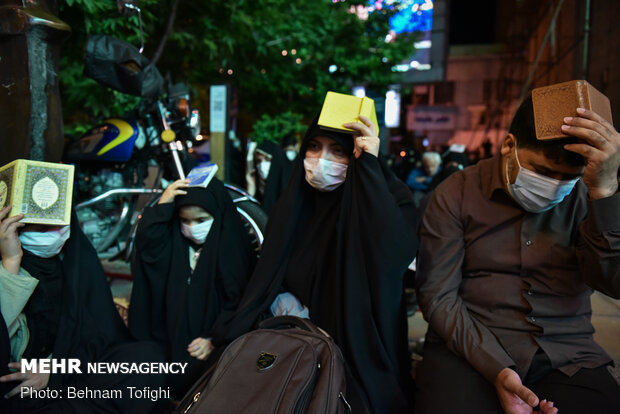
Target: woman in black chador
x,y
56,303
271,172
193,258
339,239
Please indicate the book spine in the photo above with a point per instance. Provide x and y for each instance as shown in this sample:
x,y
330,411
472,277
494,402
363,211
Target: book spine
x,y
18,189
69,196
582,95
366,107
360,110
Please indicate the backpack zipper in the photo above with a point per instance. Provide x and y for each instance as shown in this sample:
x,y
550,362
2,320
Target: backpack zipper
x,y
304,399
196,397
347,406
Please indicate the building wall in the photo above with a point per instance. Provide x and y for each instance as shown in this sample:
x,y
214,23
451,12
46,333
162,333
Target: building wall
x,y
507,67
562,57
482,109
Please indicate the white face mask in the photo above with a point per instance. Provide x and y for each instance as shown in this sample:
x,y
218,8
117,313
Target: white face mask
x,y
45,243
262,168
536,192
198,232
324,175
291,155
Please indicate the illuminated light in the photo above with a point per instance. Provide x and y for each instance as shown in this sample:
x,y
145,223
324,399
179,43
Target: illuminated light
x,y
263,71
425,142
189,146
333,68
400,68
229,71
415,8
402,154
284,53
359,91
388,38
392,109
414,63
428,5
423,44
221,70
384,59
293,51
199,137
298,61
360,11
424,66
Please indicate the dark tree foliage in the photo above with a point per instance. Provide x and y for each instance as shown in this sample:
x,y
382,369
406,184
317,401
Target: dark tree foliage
x,y
276,54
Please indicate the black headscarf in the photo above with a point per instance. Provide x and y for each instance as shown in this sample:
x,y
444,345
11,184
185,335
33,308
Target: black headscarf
x,y
278,176
343,254
73,287
170,303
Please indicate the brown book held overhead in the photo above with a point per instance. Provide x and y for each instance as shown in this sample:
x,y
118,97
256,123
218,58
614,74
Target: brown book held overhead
x,y
553,103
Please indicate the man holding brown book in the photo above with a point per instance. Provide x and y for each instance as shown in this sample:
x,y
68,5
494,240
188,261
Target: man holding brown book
x,y
510,252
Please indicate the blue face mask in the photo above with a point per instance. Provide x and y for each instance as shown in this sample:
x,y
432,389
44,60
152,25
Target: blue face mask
x,y
536,192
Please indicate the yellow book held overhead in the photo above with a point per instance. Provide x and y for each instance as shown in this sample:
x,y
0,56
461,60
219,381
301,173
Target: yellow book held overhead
x,y
339,109
41,191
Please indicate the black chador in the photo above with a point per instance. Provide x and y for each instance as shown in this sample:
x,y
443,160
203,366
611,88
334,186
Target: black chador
x,y
278,176
342,253
172,304
71,314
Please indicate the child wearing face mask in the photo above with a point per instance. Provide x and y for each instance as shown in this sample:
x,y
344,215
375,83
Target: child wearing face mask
x,y
56,303
338,242
193,257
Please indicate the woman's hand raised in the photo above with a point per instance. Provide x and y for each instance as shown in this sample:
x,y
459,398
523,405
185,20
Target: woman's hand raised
x,y
366,139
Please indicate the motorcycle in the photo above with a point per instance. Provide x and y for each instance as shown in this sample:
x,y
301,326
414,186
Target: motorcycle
x,y
123,164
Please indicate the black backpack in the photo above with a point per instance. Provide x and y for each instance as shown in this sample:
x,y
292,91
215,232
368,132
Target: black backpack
x,y
286,366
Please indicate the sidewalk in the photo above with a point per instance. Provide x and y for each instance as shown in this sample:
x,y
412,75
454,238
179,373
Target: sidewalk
x,y
605,318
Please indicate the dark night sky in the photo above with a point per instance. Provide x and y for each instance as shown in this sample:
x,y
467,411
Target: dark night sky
x,y
472,21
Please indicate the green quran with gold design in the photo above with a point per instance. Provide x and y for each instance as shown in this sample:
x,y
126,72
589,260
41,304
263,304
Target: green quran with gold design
x,y
41,191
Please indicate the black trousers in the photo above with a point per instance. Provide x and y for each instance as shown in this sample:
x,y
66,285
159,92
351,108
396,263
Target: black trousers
x,y
446,383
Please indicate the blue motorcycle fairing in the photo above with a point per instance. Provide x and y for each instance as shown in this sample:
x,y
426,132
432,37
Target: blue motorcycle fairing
x,y
113,140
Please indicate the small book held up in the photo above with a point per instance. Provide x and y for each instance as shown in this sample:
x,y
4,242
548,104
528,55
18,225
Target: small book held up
x,y
339,109
202,175
41,191
554,102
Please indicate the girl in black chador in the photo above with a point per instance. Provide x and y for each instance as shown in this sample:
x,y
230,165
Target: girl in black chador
x,y
193,257
339,239
56,303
